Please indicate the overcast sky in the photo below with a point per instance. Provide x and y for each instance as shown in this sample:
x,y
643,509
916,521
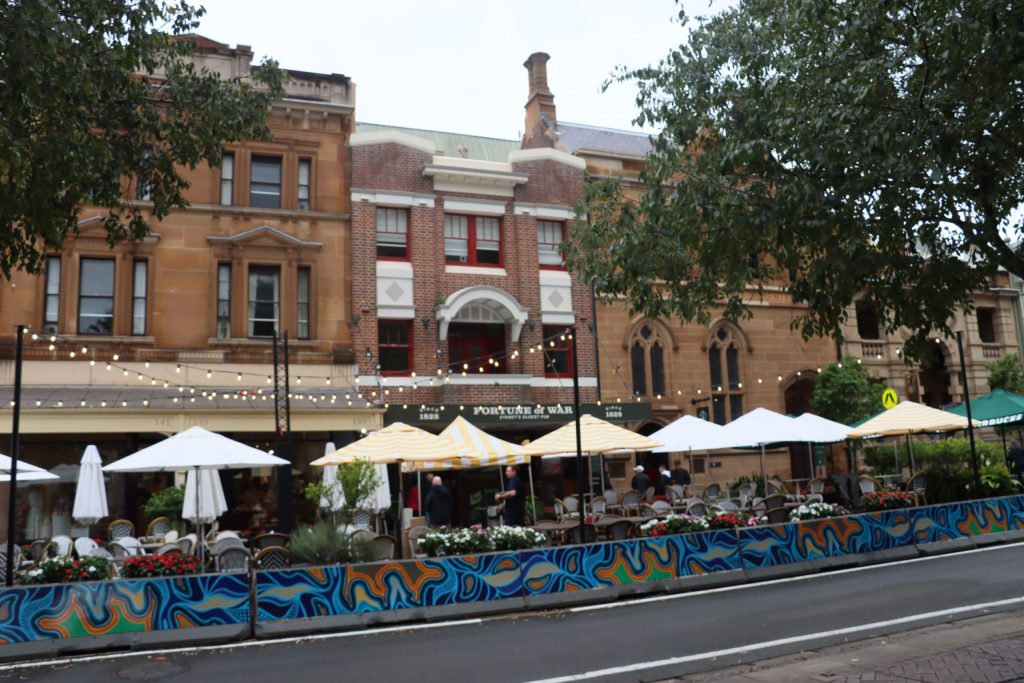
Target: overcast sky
x,y
456,65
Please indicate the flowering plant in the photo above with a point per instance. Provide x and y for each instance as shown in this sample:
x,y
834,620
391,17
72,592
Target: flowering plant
x,y
67,570
674,524
888,500
730,520
452,541
172,564
516,538
810,511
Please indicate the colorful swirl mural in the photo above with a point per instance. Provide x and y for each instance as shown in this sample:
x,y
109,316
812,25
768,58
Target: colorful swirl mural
x,y
322,591
112,607
959,520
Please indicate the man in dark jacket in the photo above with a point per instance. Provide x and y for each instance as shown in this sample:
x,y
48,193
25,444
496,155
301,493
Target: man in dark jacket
x,y
514,496
1016,458
641,482
679,474
439,504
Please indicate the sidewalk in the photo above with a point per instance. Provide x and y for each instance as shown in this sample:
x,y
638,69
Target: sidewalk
x,y
986,649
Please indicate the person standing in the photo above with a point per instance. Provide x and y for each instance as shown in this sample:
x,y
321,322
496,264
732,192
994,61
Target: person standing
x,y
1016,458
514,496
439,504
641,482
680,475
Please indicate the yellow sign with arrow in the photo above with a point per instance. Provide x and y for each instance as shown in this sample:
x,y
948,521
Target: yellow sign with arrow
x,y
889,398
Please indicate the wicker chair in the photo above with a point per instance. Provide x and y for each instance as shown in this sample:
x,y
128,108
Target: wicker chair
x,y
118,551
613,500
169,549
649,494
363,535
777,515
271,540
775,487
227,543
273,557
572,504
776,500
631,501
599,505
868,484
619,531
697,509
120,528
747,491
560,511
35,550
63,544
227,533
648,511
3,560
816,485
712,491
158,527
415,533
231,559
661,507
184,545
362,519
84,546
385,547
917,485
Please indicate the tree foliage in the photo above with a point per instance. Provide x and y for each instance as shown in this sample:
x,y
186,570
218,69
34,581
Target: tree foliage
x,y
845,392
98,98
841,149
1006,373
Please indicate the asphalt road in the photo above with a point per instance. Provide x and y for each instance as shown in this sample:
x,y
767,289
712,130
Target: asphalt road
x,y
619,642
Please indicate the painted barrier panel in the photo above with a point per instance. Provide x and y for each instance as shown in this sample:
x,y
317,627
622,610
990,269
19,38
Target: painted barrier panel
x,y
72,610
781,544
1014,506
353,589
951,521
607,565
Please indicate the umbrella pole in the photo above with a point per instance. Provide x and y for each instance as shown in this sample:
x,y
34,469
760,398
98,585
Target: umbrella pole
x,y
810,461
199,525
400,523
533,495
895,457
764,471
910,450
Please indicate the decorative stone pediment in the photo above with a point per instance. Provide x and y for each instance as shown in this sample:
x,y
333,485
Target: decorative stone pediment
x,y
481,303
264,236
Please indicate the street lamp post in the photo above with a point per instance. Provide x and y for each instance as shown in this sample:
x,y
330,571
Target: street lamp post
x,y
15,425
967,404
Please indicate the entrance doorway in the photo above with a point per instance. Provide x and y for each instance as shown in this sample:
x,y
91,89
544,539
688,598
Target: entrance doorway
x,y
935,378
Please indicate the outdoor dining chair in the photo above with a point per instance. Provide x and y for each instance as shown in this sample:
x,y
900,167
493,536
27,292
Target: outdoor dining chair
x,y
814,498
171,536
362,519
169,549
661,507
868,484
232,559
747,491
697,509
274,557
777,515
619,531
132,545
363,535
917,485
725,506
775,487
63,545
270,540
3,560
35,550
776,500
158,527
816,485
84,546
415,533
712,491
631,501
118,551
649,494
678,489
560,511
227,533
119,528
384,547
551,530
599,505
572,504
612,500
227,543
184,545
648,511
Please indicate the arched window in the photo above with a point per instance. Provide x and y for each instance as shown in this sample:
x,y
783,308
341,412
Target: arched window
x,y
647,360
726,377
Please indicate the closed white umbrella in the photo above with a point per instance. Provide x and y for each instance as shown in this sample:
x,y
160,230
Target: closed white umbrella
x,y
336,500
381,499
210,498
90,493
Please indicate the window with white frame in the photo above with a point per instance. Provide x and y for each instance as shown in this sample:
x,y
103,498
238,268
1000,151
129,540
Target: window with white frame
x,y
305,175
140,281
393,233
473,240
265,182
51,309
96,296
223,301
264,300
550,235
302,302
227,179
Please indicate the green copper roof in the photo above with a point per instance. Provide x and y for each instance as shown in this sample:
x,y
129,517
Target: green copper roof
x,y
476,147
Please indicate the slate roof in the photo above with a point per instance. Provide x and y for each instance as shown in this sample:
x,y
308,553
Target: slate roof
x,y
577,136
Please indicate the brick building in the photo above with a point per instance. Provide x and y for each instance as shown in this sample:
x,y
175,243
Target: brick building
x,y
152,337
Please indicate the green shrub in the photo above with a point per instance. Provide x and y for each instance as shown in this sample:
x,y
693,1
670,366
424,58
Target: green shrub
x,y
323,543
535,509
166,503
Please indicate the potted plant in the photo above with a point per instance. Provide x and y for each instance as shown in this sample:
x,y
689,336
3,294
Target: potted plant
x,y
810,511
887,500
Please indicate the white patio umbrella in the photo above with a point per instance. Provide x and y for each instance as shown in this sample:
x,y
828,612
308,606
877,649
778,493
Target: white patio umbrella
x,y
827,431
689,434
760,427
90,493
195,449
381,499
206,504
34,477
336,500
23,467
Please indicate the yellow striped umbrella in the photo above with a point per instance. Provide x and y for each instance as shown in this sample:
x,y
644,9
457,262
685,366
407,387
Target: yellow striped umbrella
x,y
597,437
487,450
909,418
398,442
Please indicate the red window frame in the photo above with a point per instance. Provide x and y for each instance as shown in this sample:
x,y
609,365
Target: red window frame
x,y
473,343
471,241
385,340
553,334
403,212
561,226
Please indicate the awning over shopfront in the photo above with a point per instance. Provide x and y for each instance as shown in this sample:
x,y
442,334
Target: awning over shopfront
x,y
544,416
994,409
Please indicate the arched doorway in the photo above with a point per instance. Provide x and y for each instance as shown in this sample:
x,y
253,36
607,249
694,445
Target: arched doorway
x,y
798,401
935,378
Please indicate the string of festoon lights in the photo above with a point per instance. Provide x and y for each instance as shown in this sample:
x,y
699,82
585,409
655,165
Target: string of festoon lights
x,y
374,389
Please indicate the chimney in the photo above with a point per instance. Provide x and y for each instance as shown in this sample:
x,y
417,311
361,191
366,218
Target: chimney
x,y
540,105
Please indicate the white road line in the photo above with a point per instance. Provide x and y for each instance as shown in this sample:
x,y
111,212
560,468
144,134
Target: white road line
x,y
751,647
234,646
789,579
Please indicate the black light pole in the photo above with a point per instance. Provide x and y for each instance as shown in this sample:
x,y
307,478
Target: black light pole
x,y
967,404
15,424
579,436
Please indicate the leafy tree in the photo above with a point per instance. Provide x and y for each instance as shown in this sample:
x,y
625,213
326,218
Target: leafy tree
x,y
841,149
357,482
845,392
1006,373
94,92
